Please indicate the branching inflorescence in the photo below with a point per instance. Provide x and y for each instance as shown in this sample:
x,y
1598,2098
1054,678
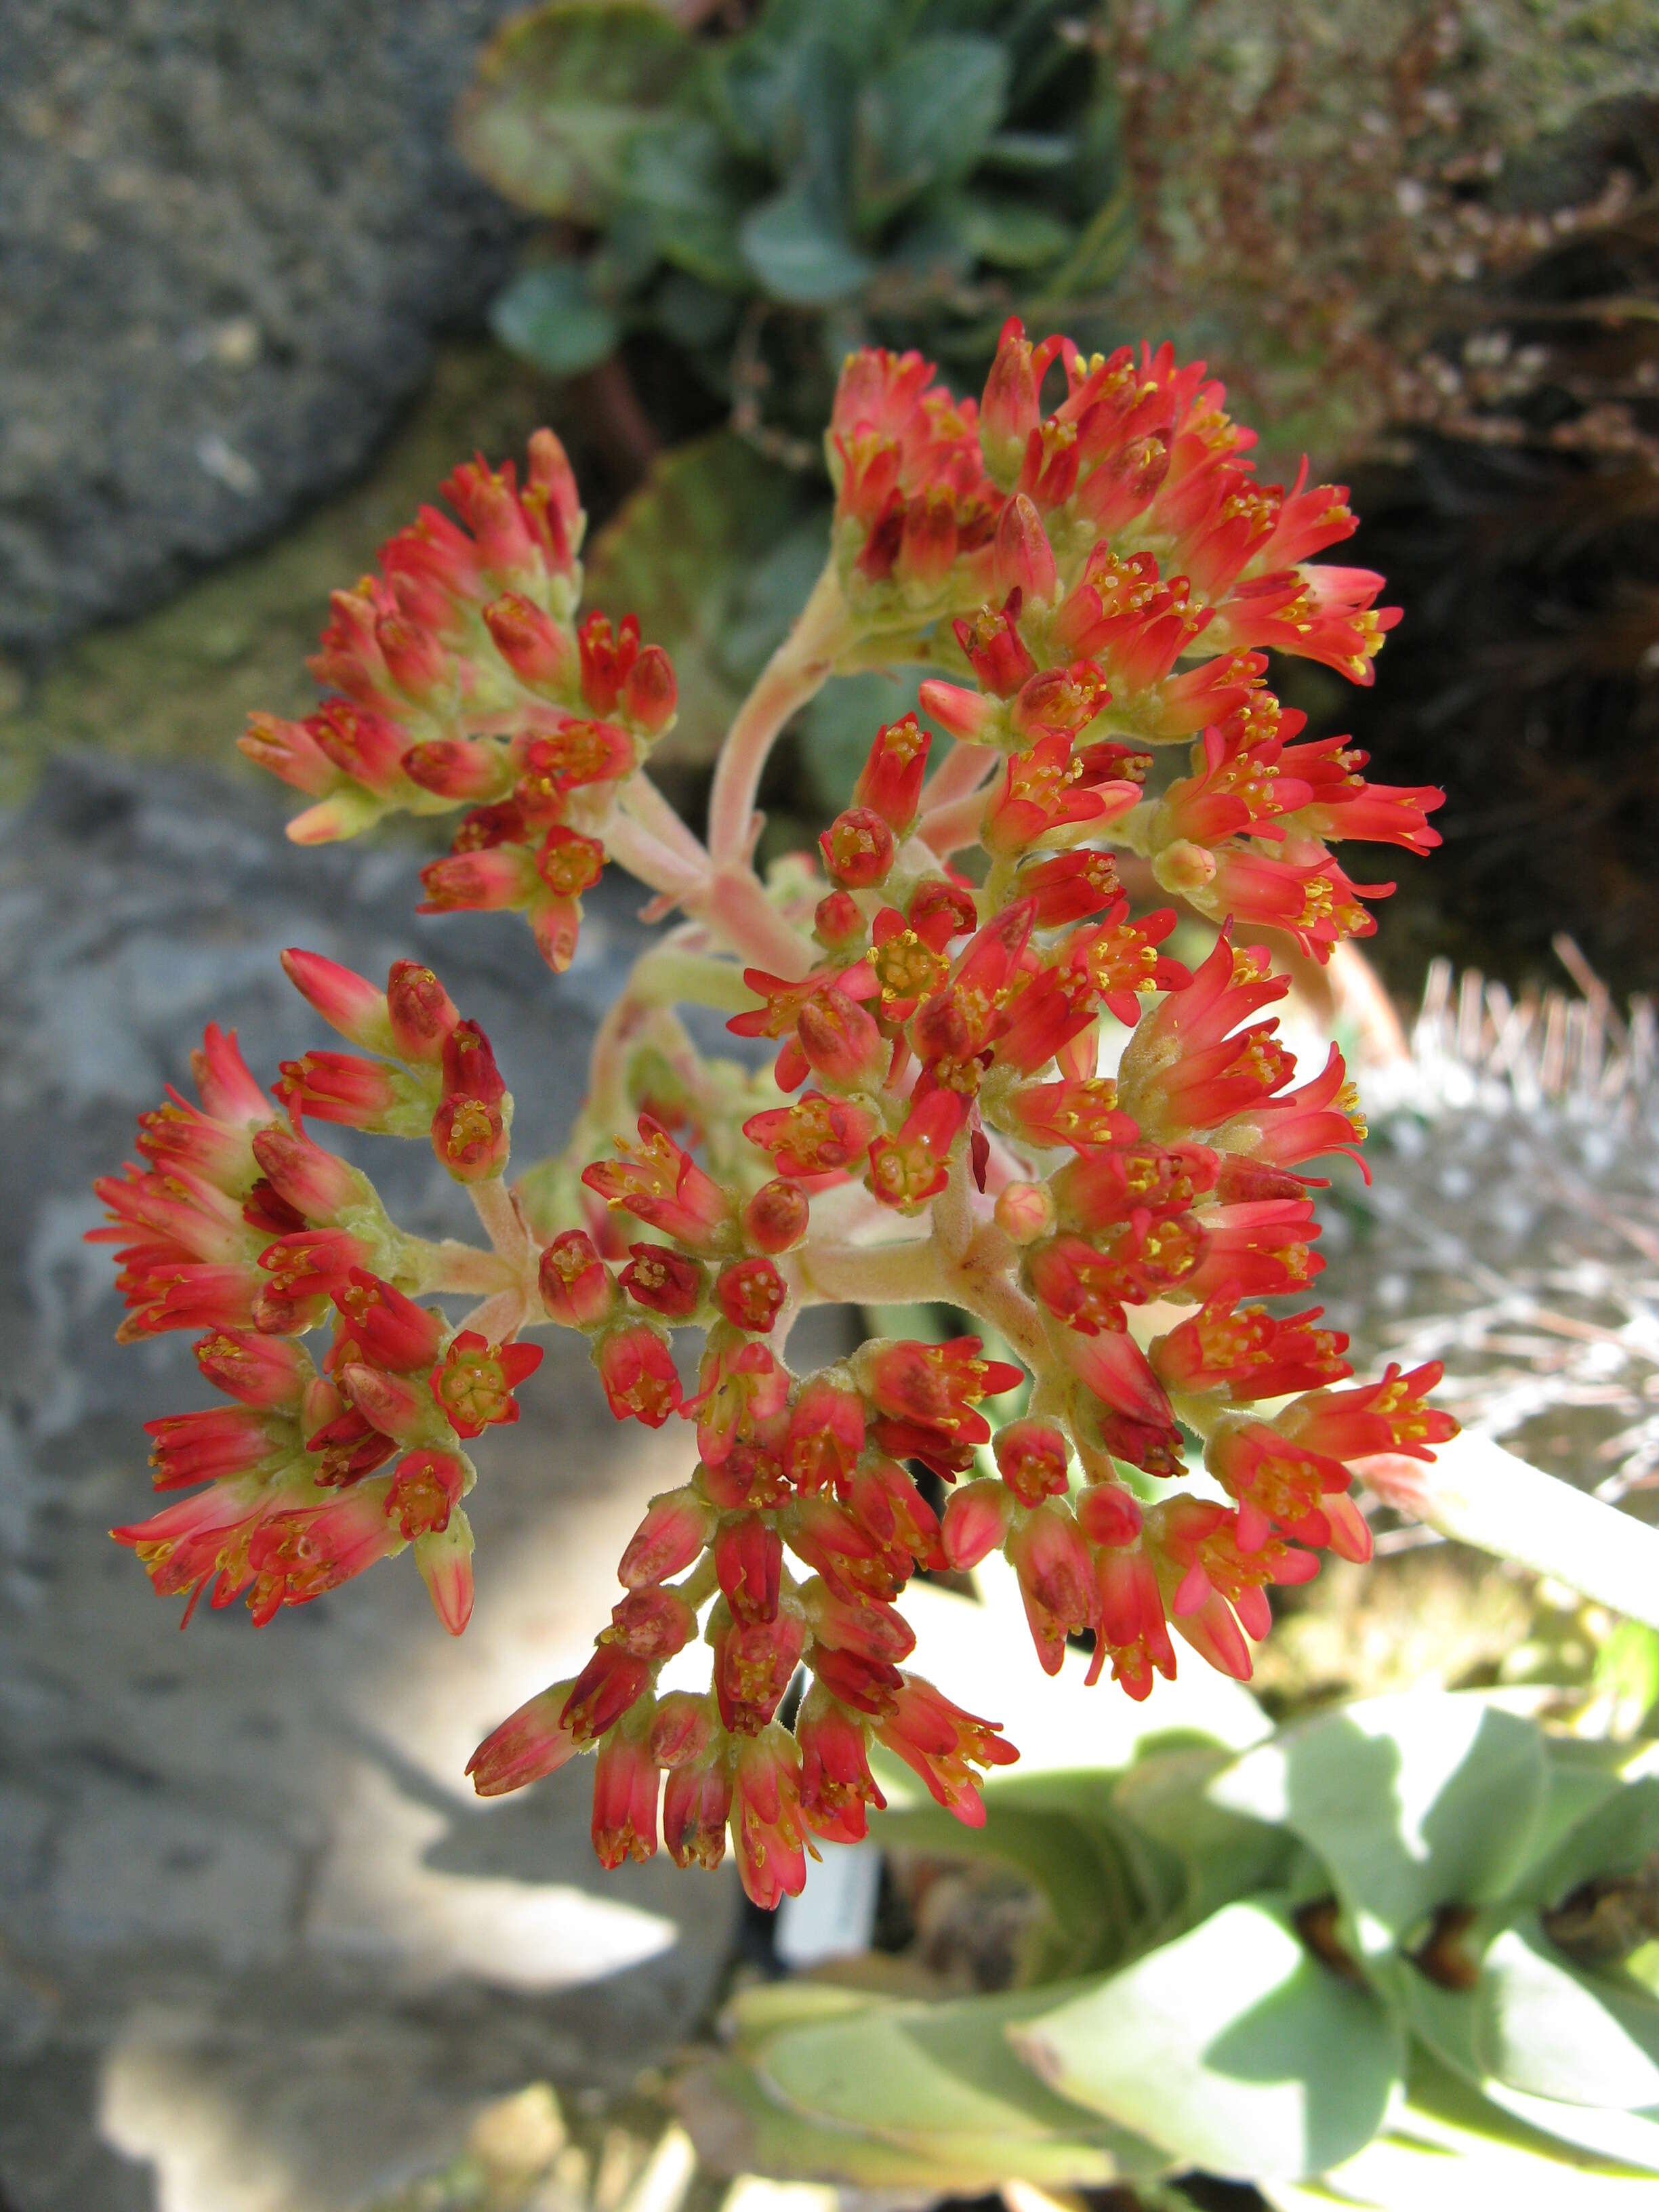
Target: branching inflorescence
x,y
1099,588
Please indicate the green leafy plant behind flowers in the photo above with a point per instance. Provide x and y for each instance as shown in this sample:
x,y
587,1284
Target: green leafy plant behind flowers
x,y
902,170
1399,1945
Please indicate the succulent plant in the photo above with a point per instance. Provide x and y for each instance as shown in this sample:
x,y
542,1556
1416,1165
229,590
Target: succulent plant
x,y
1399,1944
896,170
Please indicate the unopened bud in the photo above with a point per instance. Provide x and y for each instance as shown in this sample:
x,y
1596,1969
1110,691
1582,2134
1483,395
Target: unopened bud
x,y
1025,1211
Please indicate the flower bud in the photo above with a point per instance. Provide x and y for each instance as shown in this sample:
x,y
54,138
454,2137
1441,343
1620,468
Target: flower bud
x,y
680,1728
750,1293
422,1012
313,1181
971,716
776,1216
857,848
974,1522
749,1560
840,1042
651,691
530,1743
1108,1514
1025,1211
575,1284
464,768
538,652
676,1526
838,921
1056,1580
347,1002
1023,560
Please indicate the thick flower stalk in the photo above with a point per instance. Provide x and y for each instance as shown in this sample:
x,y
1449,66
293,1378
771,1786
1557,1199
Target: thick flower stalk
x,y
986,1086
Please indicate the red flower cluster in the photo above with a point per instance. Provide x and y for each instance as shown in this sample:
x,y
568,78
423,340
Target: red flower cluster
x,y
461,680
242,1225
997,1090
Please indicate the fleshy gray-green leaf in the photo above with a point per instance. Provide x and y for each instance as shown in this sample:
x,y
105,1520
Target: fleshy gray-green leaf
x,y
740,2129
1230,2047
560,93
677,176
1413,1803
547,315
1010,233
1549,2030
1616,1831
910,2070
926,120
798,251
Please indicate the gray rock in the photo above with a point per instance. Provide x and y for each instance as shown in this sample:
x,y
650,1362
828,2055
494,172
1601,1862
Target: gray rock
x,y
262,1948
227,233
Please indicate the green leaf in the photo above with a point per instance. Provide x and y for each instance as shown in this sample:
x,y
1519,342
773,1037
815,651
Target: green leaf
x,y
560,93
799,252
1100,1910
925,121
1597,1824
548,315
740,2129
1029,152
1449,2149
1010,233
1413,1801
945,2073
679,179
1549,2030
680,554
1231,2048
1225,1855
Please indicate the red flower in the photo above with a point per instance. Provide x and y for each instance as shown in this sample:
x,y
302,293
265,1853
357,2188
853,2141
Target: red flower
x,y
659,1181
530,1743
944,1747
475,1381
637,1371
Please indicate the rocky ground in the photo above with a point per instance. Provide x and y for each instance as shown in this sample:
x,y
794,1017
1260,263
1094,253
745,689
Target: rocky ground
x,y
262,1951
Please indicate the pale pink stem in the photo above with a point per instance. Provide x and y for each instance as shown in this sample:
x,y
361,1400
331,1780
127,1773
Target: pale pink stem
x,y
640,799
948,829
735,906
796,670
964,768
646,858
452,1266
500,1317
